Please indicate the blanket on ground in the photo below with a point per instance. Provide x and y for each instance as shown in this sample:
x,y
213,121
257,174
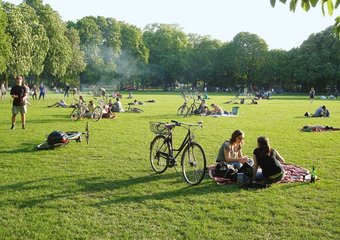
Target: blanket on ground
x,y
293,173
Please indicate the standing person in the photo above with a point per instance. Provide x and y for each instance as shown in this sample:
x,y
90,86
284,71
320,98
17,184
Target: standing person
x,y
270,162
27,98
42,91
3,91
18,93
67,89
311,95
34,92
231,151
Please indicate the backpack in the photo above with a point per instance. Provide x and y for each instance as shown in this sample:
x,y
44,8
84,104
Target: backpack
x,y
225,170
56,137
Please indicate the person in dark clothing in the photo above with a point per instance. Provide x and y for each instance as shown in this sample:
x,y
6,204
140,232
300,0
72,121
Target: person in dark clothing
x,y
67,90
269,160
19,93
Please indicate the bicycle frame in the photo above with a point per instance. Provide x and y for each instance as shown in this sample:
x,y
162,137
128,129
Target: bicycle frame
x,y
186,141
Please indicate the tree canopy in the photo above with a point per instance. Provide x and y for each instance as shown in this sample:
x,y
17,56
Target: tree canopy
x,y
36,43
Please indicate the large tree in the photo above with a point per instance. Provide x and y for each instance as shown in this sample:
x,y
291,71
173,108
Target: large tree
x,y
19,62
59,54
248,55
5,43
168,46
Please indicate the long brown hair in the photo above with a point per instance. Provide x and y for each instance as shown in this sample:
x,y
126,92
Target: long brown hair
x,y
234,135
264,145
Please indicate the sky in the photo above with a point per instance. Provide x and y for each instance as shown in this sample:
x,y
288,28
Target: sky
x,y
221,19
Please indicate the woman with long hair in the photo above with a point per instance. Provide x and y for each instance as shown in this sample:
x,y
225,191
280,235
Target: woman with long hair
x,y
269,160
231,151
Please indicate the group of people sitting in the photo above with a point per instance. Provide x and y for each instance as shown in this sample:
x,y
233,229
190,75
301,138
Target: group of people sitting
x,y
215,109
319,112
266,163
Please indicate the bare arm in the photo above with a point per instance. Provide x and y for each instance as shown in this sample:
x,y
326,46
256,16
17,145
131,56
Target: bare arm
x,y
255,166
279,157
228,158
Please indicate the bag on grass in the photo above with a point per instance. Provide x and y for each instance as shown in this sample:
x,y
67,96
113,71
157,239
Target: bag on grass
x,y
225,170
56,137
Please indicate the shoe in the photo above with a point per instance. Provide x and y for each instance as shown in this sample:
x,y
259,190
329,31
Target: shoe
x,y
12,126
23,126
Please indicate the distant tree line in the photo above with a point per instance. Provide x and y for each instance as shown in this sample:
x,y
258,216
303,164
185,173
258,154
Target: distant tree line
x,y
37,44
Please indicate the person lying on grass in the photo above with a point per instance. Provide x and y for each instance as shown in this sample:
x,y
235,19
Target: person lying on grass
x,y
318,128
60,103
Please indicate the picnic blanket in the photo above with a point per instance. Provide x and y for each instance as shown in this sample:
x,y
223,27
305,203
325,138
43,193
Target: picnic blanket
x,y
293,173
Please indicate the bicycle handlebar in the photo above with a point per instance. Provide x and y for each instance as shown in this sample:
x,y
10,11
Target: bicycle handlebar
x,y
198,124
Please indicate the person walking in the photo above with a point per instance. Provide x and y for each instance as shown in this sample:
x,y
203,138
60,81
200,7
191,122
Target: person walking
x,y
311,95
19,93
34,92
42,91
67,89
3,91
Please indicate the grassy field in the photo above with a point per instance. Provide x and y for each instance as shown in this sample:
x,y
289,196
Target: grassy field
x,y
107,190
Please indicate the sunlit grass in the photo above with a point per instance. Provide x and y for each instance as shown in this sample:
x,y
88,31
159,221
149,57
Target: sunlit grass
x,y
107,190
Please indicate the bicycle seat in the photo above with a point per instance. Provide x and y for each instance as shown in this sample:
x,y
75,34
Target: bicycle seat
x,y
170,126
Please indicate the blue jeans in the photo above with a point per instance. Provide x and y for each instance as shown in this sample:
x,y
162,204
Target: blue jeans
x,y
238,165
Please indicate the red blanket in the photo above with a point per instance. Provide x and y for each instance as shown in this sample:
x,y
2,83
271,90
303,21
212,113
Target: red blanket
x,y
293,173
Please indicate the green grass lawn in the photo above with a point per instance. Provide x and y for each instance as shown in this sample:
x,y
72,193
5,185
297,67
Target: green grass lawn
x,y
107,190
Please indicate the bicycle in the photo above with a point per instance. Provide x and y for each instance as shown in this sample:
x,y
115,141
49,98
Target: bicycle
x,y
133,109
105,110
163,154
72,135
81,111
185,110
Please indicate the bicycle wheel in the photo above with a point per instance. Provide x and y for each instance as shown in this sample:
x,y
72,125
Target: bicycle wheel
x,y
137,110
44,145
193,164
76,114
96,114
182,111
157,160
73,135
191,111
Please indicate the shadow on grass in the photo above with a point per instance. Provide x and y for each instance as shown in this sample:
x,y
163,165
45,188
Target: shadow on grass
x,y
98,185
27,147
169,117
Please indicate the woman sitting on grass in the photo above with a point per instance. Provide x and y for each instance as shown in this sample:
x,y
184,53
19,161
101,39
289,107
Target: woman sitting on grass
x,y
270,162
231,151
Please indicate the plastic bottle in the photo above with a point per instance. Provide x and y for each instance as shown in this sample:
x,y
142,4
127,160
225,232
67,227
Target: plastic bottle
x,y
313,175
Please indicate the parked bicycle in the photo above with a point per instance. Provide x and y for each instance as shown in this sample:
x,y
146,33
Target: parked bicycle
x,y
187,110
106,111
132,108
81,111
163,155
